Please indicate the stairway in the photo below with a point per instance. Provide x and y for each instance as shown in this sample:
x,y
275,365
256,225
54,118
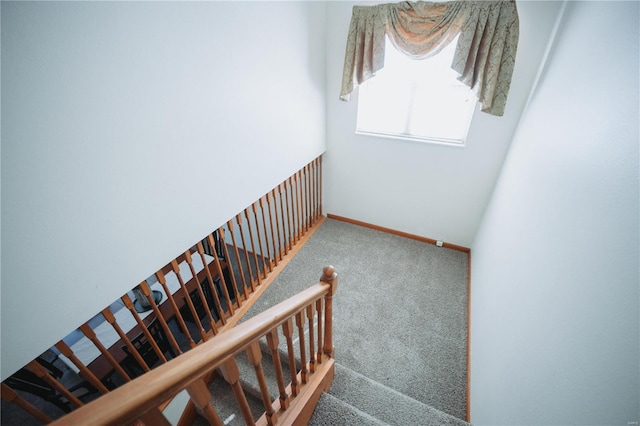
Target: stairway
x,y
353,400
357,400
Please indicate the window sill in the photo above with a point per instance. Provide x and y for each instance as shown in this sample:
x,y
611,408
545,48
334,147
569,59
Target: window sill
x,y
435,141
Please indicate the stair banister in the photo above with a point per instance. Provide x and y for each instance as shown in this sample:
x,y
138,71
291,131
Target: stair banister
x,y
140,398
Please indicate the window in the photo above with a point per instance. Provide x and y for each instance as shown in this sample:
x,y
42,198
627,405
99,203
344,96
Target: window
x,y
416,99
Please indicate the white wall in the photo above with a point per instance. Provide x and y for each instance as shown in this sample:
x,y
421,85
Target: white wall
x,y
131,130
430,190
555,297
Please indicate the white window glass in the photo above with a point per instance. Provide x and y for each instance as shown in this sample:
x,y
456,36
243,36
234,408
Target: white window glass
x,y
416,99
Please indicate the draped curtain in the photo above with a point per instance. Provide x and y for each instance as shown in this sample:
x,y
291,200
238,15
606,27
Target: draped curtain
x,y
485,53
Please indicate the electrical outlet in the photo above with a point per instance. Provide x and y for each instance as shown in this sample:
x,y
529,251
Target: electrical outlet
x,y
439,243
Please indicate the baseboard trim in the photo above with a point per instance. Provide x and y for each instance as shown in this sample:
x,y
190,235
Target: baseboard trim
x,y
468,410
399,233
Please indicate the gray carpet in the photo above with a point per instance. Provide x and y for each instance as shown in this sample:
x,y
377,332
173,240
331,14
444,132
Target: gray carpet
x,y
361,397
400,312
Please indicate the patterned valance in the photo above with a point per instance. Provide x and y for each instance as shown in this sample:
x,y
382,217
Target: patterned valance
x,y
485,53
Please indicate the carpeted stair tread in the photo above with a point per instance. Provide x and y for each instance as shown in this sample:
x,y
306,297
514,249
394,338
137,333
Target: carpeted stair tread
x,y
385,403
332,411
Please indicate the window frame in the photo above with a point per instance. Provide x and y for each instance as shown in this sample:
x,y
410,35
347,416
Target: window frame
x,y
362,90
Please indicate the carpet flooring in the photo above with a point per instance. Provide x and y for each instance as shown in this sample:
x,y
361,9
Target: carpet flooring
x,y
400,327
400,311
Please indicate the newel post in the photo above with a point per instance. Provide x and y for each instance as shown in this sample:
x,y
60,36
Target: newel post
x,y
329,277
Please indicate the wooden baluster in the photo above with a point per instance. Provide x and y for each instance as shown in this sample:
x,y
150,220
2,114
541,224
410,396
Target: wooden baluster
x,y
255,216
247,259
42,373
176,270
319,186
300,203
320,335
232,274
146,290
108,315
266,234
203,299
278,221
277,255
304,373
290,228
301,195
223,280
163,282
239,262
212,286
201,397
305,197
254,354
312,191
309,194
294,208
12,396
300,227
287,330
84,371
330,277
154,417
312,353
231,374
285,240
129,304
272,342
316,195
88,332
253,246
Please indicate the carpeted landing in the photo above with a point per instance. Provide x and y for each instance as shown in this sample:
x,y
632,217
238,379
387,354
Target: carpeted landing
x,y
400,325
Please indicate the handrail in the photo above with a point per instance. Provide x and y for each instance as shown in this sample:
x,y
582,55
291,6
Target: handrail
x,y
210,285
143,395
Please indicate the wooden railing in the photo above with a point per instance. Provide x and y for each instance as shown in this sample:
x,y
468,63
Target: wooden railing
x,y
139,399
202,292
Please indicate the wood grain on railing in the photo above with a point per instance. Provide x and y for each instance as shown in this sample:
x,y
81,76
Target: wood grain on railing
x,y
142,395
